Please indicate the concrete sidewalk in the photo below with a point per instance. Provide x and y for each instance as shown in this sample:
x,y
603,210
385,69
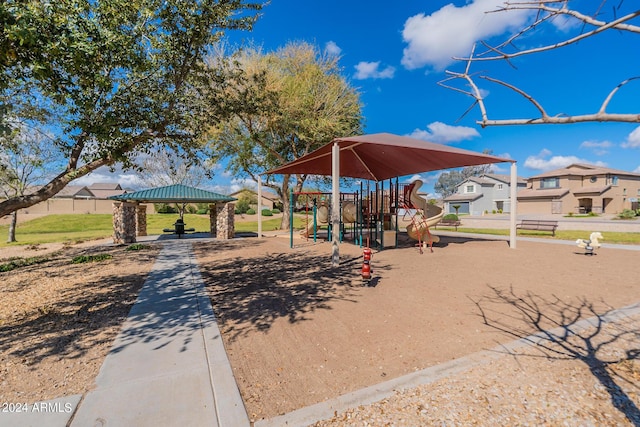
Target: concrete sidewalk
x,y
168,365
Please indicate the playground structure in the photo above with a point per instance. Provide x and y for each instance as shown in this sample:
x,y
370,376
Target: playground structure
x,y
374,213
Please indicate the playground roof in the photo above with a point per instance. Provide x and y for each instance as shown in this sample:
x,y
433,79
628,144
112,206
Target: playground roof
x,y
177,193
382,156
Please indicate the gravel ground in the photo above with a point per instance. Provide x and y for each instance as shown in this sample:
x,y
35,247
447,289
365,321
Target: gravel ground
x,y
591,378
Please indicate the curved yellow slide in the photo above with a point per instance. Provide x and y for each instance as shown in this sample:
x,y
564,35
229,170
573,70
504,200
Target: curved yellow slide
x,y
430,216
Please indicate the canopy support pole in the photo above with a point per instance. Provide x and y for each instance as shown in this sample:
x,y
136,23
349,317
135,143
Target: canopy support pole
x,y
513,209
259,207
335,204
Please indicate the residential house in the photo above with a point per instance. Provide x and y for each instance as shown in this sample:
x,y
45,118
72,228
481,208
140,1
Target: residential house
x,y
105,190
580,188
270,199
74,192
486,193
79,199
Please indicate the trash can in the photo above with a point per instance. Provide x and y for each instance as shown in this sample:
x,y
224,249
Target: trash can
x,y
179,226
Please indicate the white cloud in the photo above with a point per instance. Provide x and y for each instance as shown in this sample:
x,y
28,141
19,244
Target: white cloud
x,y
331,48
565,23
633,140
444,134
544,161
637,170
238,184
413,178
103,175
600,148
371,70
432,40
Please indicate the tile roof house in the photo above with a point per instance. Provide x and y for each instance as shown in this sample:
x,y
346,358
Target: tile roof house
x,y
93,191
269,198
477,194
580,188
105,190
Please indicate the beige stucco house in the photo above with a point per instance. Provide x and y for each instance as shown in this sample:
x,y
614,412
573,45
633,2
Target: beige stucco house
x,y
270,200
79,199
580,188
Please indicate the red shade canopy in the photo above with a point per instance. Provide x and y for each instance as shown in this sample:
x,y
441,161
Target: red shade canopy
x,y
382,156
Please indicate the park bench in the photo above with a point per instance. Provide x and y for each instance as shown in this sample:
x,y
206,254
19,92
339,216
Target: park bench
x,y
539,225
449,223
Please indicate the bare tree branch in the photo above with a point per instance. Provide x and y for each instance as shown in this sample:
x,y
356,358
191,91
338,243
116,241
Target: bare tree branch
x,y
603,27
546,11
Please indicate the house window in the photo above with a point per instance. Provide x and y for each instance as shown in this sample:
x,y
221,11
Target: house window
x,y
499,186
614,180
550,182
624,191
593,179
470,189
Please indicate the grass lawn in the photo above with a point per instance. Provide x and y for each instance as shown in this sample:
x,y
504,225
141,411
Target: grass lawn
x,y
81,227
610,236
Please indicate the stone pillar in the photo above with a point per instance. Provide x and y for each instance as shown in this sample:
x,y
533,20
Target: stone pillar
x,y
225,221
141,220
124,223
213,214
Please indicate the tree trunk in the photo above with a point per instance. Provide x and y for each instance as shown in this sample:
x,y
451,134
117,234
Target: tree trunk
x,y
286,204
12,227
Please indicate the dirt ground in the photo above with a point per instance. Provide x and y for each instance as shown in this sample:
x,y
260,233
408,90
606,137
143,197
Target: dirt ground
x,y
58,319
298,332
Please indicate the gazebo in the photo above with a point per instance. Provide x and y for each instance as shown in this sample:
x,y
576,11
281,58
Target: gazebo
x,y
130,210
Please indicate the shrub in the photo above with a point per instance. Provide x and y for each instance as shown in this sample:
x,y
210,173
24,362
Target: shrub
x,y
164,208
242,206
21,262
592,213
450,217
275,211
90,258
137,247
190,209
203,211
267,212
250,211
627,214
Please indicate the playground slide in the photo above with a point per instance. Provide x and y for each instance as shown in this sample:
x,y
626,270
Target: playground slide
x,y
431,215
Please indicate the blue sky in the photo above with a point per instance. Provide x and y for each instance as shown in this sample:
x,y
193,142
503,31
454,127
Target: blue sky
x,y
395,53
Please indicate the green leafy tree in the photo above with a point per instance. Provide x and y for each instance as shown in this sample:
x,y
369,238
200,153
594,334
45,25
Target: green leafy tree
x,y
299,101
121,77
448,181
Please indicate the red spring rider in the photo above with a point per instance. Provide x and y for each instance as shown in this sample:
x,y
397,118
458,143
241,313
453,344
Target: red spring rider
x,y
366,263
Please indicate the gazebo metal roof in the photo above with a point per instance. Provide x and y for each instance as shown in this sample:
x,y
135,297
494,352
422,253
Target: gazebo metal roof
x,y
176,193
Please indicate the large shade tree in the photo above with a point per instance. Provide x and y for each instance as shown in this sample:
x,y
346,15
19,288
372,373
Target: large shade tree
x,y
112,79
299,101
